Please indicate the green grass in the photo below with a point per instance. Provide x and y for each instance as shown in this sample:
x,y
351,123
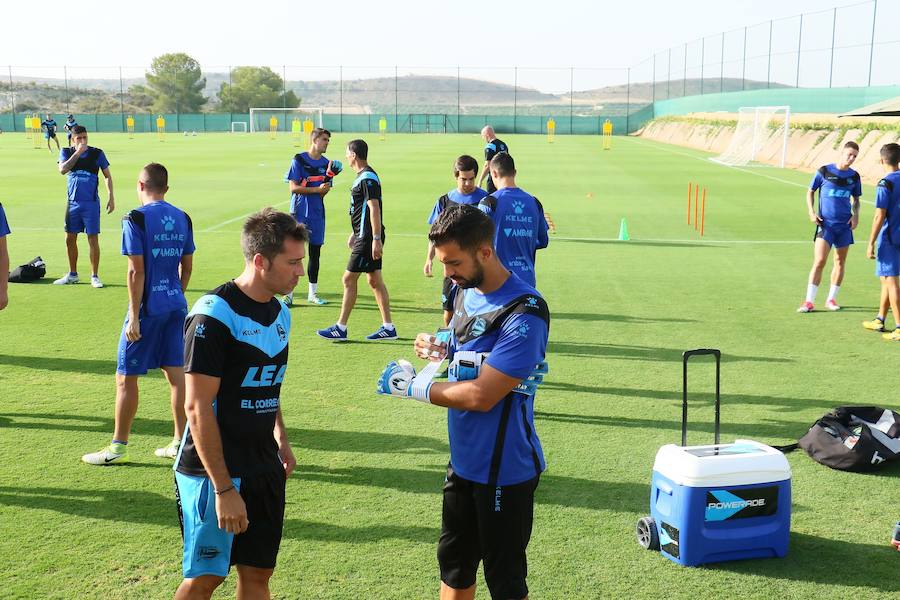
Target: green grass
x,y
363,512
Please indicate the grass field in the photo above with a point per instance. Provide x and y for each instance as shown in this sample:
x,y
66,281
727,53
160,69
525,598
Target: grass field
x,y
363,512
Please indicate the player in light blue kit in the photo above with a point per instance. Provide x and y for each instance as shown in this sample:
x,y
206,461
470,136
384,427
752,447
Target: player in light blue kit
x,y
521,228
839,189
158,240
49,127
886,231
81,165
4,260
310,178
465,170
496,350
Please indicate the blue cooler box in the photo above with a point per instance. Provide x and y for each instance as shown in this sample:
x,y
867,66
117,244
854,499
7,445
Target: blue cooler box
x,y
721,502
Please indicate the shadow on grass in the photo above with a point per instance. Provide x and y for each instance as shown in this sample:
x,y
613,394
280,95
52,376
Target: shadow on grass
x,y
639,320
555,490
300,529
770,431
119,504
783,403
60,422
648,353
52,363
840,562
365,442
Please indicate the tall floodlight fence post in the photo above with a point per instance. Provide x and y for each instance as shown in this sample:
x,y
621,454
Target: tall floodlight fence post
x,y
627,100
722,65
669,76
122,99
341,98
284,92
872,41
769,65
799,48
571,98
457,98
515,96
12,98
702,61
653,77
831,58
66,83
684,78
396,95
744,63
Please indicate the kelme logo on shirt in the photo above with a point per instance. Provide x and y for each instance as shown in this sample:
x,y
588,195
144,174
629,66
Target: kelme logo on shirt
x,y
478,327
518,207
168,223
523,330
199,331
531,301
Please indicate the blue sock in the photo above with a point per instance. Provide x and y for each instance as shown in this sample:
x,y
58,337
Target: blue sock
x,y
73,273
121,443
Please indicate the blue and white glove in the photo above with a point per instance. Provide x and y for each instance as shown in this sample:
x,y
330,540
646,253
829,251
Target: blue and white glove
x,y
529,385
398,379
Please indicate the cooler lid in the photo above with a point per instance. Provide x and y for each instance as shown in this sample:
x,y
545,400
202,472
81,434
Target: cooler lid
x,y
744,462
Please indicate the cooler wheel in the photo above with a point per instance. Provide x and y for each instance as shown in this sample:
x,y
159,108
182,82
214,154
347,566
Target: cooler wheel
x,y
647,535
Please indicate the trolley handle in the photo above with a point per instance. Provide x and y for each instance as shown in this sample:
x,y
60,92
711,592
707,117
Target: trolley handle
x,y
684,403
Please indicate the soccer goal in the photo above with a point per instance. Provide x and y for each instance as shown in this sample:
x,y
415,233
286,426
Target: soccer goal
x,y
239,127
280,119
761,131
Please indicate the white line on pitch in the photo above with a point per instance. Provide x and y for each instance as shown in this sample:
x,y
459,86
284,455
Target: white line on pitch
x,y
706,160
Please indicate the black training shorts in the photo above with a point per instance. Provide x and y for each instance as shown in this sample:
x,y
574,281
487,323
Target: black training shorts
x,y
361,260
489,524
264,496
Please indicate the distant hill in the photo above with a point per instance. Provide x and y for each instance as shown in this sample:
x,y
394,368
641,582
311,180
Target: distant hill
x,y
412,93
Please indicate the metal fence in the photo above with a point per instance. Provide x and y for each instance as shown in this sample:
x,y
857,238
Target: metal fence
x,y
846,46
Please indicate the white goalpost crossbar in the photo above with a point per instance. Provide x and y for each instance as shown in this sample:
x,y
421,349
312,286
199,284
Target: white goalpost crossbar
x,y
758,128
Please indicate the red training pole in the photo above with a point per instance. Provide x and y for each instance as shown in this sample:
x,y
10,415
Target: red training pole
x,y
696,207
703,213
690,192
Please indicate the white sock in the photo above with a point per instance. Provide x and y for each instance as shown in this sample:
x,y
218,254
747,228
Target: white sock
x,y
313,288
341,326
388,325
832,292
811,291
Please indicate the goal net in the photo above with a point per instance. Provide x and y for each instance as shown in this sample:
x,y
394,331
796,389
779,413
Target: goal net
x,y
761,134
281,119
239,127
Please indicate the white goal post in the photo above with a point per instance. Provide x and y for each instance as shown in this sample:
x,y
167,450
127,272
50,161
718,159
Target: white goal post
x,y
239,127
260,117
761,132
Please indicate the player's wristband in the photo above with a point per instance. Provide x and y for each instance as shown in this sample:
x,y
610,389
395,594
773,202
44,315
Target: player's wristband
x,y
421,390
228,489
377,238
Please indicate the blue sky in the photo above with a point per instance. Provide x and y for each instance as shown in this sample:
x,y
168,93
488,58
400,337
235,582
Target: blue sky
x,y
594,36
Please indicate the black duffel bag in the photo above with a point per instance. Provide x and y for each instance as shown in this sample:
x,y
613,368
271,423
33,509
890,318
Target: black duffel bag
x,y
854,438
30,271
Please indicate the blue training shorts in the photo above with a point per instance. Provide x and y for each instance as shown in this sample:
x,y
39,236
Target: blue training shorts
x,y
207,549
161,344
838,235
83,218
887,260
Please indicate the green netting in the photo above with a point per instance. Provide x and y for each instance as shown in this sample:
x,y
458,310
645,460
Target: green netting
x,y
801,100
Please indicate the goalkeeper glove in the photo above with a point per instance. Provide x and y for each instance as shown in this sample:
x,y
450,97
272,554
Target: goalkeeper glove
x,y
398,379
334,168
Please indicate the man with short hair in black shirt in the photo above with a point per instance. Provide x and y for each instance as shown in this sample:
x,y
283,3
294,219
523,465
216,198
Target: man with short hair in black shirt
x,y
366,244
235,456
492,146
